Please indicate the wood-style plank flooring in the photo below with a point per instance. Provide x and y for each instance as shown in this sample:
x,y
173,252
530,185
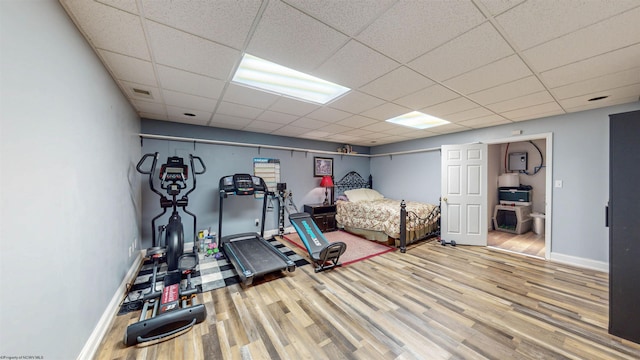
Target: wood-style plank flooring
x,y
433,302
528,243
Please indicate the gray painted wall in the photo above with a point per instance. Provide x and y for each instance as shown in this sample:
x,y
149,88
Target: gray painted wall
x,y
239,212
580,159
70,194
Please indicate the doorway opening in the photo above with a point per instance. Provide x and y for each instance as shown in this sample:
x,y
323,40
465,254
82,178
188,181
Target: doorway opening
x,y
519,203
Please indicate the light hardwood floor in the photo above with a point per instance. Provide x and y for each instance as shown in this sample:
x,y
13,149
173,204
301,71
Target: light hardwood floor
x,y
433,302
528,243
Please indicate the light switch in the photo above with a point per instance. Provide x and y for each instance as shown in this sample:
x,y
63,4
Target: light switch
x,y
558,183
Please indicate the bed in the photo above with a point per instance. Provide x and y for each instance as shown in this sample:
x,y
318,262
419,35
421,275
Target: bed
x,y
365,212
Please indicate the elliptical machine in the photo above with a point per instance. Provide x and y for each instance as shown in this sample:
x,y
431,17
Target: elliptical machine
x,y
174,309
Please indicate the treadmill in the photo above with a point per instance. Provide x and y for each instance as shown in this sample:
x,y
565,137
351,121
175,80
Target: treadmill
x,y
250,254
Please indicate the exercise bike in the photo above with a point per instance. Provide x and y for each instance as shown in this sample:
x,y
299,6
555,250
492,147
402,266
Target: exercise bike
x,y
174,309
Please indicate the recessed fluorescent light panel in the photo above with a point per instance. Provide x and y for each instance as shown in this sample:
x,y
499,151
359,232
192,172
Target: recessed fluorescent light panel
x,y
268,76
417,120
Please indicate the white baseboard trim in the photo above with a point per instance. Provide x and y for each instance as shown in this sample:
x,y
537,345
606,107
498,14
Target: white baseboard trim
x,y
91,346
580,262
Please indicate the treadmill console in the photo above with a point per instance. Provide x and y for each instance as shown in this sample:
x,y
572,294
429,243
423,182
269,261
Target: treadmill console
x,y
242,184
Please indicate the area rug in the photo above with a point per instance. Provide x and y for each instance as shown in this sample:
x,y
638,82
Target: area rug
x,y
211,274
358,248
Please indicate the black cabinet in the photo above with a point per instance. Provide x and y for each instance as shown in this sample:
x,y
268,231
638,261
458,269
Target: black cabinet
x,y
624,226
323,215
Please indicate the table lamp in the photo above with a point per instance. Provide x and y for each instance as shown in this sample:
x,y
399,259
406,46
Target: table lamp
x,y
326,183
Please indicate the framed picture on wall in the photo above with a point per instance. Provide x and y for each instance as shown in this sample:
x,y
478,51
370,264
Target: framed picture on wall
x,y
322,166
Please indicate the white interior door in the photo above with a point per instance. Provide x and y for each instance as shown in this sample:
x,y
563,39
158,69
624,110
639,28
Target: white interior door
x,y
464,194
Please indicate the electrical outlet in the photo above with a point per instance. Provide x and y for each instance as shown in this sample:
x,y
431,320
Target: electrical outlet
x,y
130,250
257,222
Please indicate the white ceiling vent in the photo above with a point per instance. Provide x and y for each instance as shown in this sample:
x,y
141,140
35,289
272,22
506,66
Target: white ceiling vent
x,y
146,94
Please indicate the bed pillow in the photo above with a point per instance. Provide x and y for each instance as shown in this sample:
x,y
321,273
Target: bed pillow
x,y
356,195
373,195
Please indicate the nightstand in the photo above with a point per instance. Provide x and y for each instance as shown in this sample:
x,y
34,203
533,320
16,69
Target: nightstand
x,y
323,215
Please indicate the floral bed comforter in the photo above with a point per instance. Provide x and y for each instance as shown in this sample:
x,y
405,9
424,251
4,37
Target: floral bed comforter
x,y
381,215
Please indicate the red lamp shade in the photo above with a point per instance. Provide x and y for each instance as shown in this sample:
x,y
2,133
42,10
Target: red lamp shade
x,y
326,181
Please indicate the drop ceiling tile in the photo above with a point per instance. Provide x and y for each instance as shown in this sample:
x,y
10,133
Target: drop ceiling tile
x,y
556,111
294,107
432,95
109,28
419,134
484,42
373,136
247,112
126,5
612,62
262,126
178,114
308,123
624,92
532,111
184,51
535,22
449,128
606,102
188,101
291,131
496,7
617,32
357,132
485,121
336,129
385,111
599,84
399,130
450,107
277,117
398,83
229,122
129,68
149,107
349,139
190,83
152,116
389,140
507,91
248,96
154,92
289,37
355,102
541,97
316,134
347,16
461,116
502,71
225,22
355,65
381,126
411,28
357,121
328,114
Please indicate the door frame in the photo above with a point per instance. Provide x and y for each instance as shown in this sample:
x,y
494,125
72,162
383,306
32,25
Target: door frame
x,y
548,137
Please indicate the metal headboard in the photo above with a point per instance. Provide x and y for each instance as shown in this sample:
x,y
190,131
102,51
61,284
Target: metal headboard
x,y
351,181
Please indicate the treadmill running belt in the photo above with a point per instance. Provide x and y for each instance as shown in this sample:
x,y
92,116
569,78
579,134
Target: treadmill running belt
x,y
253,256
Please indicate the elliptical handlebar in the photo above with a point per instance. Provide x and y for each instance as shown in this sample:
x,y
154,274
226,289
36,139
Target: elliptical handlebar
x,y
194,172
150,172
